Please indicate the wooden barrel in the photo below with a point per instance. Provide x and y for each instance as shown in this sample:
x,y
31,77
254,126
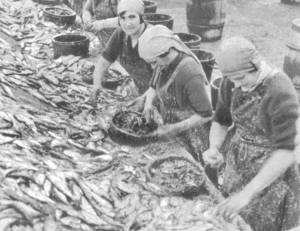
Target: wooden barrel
x,y
206,18
291,63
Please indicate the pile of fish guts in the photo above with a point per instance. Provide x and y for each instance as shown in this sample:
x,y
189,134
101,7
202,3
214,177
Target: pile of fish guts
x,y
58,168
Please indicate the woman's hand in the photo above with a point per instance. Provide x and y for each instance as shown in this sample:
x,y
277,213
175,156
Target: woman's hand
x,y
137,104
231,206
164,130
213,157
96,26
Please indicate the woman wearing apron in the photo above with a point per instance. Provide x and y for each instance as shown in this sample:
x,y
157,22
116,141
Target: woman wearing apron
x,y
100,16
123,46
260,104
179,84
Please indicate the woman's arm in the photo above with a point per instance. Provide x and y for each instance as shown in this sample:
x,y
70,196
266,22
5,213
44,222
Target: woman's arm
x,y
99,72
276,165
98,25
173,129
87,12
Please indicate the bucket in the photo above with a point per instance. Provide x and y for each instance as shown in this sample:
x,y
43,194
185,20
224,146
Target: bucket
x,y
59,15
290,1
215,87
192,41
150,7
207,60
206,18
70,44
163,19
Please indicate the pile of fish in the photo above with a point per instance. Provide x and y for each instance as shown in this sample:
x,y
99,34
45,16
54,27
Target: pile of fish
x,y
58,169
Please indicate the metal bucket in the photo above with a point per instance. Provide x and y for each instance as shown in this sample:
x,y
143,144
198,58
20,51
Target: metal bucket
x,y
162,19
150,6
70,44
207,60
192,41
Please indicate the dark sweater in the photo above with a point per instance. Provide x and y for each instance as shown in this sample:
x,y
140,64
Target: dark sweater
x,y
277,110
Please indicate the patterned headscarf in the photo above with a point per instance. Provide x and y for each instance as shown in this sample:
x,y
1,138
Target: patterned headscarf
x,y
131,5
237,56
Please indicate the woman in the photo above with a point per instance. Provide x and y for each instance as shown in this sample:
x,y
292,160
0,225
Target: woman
x,y
179,84
260,104
123,45
100,16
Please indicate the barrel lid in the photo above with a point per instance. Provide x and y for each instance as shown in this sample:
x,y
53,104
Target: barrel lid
x,y
296,24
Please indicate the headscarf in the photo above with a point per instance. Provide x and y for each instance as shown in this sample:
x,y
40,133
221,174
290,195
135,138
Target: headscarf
x,y
237,56
158,40
131,5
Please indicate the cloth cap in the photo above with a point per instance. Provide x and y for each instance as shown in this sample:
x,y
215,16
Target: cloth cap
x,y
131,5
157,40
237,56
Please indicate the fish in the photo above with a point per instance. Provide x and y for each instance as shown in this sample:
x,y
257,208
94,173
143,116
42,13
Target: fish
x,y
24,209
5,139
6,222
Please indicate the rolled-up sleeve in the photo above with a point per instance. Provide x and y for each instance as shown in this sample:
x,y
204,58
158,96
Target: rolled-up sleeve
x,y
282,113
113,46
198,96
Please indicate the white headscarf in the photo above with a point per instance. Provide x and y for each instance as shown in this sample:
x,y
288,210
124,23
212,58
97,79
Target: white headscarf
x,y
131,5
237,56
157,40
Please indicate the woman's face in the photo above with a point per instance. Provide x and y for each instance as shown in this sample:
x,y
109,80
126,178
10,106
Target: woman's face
x,y
130,22
247,80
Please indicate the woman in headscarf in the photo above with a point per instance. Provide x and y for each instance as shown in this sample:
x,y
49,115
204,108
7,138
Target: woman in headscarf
x,y
259,104
179,84
100,16
123,45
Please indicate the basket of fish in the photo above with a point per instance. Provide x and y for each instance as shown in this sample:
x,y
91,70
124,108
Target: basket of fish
x,y
48,2
59,15
132,128
176,176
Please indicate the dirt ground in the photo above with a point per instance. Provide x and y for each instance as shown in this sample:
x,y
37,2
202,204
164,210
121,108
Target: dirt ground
x,y
265,22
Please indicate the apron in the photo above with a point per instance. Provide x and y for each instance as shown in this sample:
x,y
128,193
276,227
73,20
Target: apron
x,y
103,10
138,69
195,140
277,207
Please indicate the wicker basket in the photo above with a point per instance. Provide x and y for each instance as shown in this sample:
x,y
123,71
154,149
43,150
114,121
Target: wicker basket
x,y
188,191
122,136
68,19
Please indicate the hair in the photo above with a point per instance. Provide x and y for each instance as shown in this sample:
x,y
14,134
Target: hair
x,y
164,54
255,68
140,16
